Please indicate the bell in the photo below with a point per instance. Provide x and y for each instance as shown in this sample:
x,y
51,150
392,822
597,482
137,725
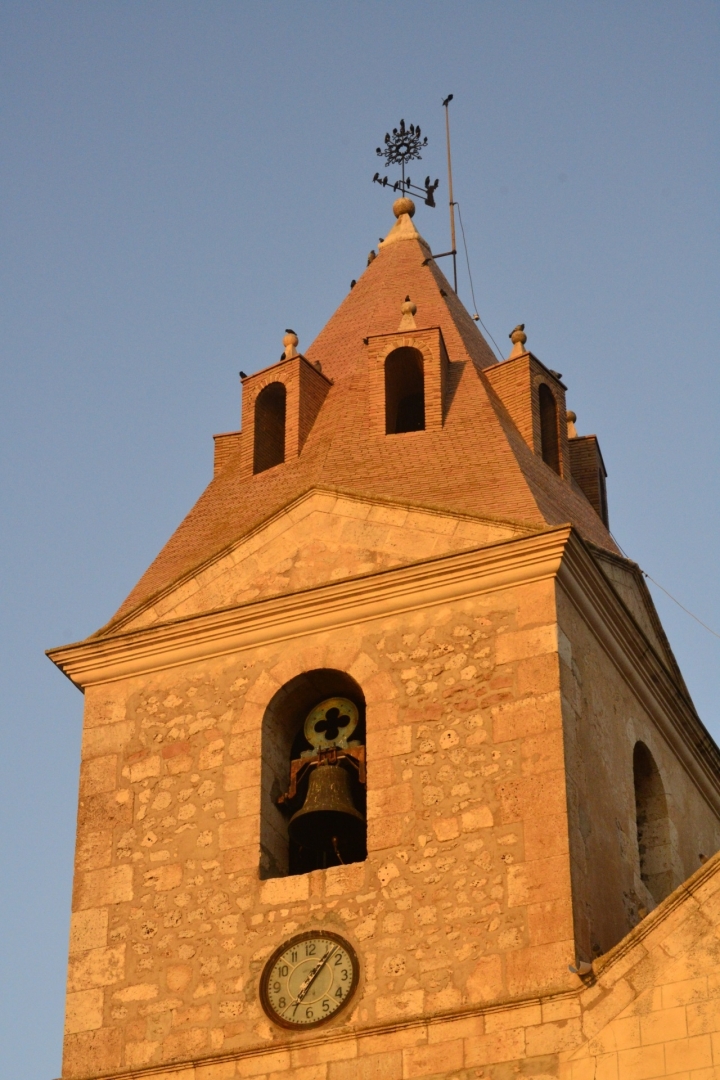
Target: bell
x,y
328,828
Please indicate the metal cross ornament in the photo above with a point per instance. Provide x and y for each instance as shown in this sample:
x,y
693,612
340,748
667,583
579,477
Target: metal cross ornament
x,y
403,145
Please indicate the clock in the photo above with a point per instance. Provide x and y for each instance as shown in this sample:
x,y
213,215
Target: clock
x,y
309,979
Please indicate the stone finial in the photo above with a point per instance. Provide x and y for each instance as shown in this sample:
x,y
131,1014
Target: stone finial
x,y
403,206
571,417
408,310
518,338
290,342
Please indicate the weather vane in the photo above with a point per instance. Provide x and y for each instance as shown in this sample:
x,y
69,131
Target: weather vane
x,y
403,145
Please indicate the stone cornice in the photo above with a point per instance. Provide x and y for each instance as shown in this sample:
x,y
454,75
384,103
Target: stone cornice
x,y
353,600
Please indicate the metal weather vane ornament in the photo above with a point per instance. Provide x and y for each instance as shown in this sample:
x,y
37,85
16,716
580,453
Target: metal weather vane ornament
x,y
403,145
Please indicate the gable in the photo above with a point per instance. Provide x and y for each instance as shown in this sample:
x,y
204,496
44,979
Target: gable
x,y
320,538
627,580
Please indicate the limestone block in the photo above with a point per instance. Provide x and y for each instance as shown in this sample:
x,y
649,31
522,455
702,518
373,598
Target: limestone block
x,y
140,1053
285,890
407,1003
164,878
426,1060
526,717
83,1011
340,880
239,832
385,1066
245,774
97,775
93,850
485,983
91,1053
541,880
97,888
496,1047
88,929
394,800
521,644
108,739
96,967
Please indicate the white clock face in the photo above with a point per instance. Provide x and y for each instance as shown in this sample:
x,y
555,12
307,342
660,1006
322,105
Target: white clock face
x,y
309,979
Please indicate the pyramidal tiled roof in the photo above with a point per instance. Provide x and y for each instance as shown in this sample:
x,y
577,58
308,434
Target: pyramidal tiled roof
x,y
478,463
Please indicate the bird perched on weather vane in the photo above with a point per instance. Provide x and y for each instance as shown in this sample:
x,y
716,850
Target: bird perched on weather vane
x,y
403,145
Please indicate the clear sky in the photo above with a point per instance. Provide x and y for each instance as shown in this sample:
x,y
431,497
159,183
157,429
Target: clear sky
x,y
181,181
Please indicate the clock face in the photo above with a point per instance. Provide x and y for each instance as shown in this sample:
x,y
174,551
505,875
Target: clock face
x,y
309,979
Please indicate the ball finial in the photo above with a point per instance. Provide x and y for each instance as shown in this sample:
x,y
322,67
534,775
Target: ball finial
x,y
290,342
408,311
403,206
518,338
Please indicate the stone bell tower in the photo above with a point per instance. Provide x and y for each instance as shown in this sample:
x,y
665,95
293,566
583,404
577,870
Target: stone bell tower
x,y
388,769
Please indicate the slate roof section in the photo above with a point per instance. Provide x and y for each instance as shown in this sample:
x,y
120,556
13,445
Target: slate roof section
x,y
477,464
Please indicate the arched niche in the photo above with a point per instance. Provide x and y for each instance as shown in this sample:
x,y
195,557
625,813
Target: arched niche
x,y
653,825
404,391
269,427
283,740
549,436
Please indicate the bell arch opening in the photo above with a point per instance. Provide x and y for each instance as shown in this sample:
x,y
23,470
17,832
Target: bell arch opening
x,y
549,439
313,802
653,825
404,391
269,440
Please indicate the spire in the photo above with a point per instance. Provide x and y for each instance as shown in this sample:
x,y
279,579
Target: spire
x,y
476,461
403,229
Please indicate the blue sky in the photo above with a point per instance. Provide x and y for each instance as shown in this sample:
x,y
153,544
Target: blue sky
x,y
181,181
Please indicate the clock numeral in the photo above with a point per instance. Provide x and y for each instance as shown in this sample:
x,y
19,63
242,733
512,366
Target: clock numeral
x,y
281,1003
283,970
276,987
339,959
310,948
309,1013
339,992
344,975
326,1005
293,956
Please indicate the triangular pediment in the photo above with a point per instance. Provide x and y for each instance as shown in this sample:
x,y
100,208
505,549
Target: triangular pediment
x,y
320,538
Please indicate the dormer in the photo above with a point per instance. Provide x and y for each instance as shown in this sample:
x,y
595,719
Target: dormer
x,y
535,398
588,468
407,372
279,407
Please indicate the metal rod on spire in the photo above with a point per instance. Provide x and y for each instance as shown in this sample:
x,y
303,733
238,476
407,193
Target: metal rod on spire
x,y
446,104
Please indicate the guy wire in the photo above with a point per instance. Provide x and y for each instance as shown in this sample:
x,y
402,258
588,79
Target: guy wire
x,y
663,589
472,290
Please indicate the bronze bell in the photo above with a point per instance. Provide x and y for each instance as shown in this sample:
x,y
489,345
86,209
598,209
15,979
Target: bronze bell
x,y
328,827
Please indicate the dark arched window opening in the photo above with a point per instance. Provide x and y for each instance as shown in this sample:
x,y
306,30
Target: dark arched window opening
x,y
404,392
653,825
313,805
269,448
549,441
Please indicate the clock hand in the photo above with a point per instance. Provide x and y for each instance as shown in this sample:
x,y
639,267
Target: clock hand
x,y
311,979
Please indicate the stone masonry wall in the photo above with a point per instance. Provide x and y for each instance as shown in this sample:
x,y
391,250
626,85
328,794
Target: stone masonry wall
x,y
464,897
603,721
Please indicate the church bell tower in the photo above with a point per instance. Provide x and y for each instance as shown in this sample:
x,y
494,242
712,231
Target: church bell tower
x,y
388,770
